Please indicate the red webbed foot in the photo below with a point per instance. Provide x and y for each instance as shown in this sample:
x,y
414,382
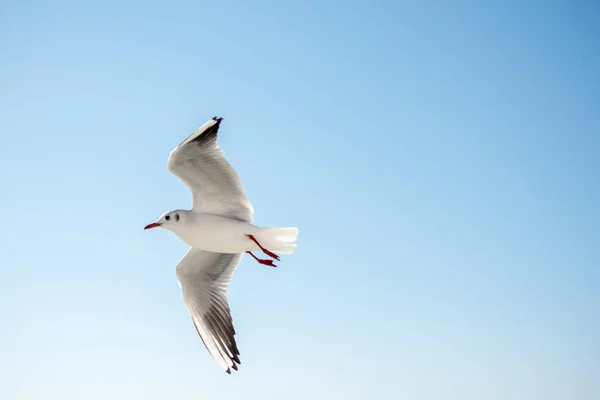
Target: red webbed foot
x,y
262,261
267,252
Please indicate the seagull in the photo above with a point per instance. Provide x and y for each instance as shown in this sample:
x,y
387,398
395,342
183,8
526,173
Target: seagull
x,y
219,230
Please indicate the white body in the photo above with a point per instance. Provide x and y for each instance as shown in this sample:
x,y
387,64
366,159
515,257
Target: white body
x,y
226,235
218,234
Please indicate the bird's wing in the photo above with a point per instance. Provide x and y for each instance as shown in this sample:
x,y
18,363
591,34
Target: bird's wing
x,y
216,187
204,278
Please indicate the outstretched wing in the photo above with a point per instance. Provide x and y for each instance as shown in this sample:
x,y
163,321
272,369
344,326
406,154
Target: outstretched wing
x,y
204,278
216,188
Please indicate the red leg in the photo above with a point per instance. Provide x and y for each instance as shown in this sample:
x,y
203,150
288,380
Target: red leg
x,y
267,252
261,261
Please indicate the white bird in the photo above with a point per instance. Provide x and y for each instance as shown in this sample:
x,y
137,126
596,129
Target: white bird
x,y
219,230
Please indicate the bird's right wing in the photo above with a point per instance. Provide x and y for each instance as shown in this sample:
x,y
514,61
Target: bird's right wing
x,y
204,278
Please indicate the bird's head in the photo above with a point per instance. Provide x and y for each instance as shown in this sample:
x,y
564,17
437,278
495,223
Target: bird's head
x,y
168,220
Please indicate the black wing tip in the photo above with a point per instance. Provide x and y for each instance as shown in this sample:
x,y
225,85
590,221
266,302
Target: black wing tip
x,y
209,134
234,366
216,324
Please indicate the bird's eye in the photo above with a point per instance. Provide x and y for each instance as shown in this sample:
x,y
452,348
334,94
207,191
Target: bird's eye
x,y
168,217
176,217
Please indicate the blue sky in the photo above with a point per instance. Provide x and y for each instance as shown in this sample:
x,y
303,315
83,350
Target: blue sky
x,y
441,161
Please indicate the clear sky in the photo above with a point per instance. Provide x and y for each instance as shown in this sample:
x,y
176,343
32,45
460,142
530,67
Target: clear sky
x,y
441,160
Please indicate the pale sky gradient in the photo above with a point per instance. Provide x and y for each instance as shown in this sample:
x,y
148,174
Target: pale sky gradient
x,y
441,160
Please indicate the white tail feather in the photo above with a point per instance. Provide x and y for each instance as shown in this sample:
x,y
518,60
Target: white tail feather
x,y
278,240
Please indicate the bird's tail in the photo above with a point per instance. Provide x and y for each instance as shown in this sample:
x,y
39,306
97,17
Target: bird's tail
x,y
278,240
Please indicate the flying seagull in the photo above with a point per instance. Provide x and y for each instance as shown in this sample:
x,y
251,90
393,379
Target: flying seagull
x,y
219,230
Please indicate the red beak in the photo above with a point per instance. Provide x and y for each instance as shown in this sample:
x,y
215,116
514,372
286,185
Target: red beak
x,y
152,225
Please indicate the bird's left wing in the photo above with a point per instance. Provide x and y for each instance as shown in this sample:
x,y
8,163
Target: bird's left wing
x,y
204,278
216,188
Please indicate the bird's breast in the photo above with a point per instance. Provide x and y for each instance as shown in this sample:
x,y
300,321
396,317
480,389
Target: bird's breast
x,y
218,234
